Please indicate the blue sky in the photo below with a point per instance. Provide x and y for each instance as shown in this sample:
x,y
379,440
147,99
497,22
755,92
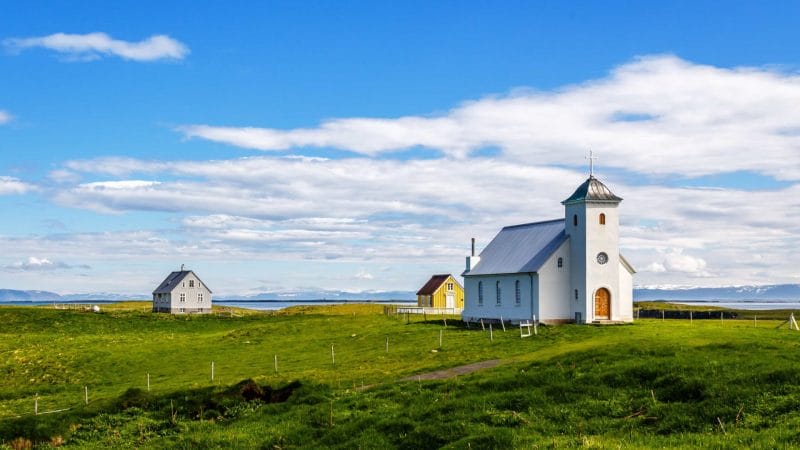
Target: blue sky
x,y
275,146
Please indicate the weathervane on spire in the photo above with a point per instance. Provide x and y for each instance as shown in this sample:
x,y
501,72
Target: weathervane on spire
x,y
591,159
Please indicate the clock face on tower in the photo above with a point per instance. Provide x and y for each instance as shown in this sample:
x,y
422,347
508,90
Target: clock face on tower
x,y
602,258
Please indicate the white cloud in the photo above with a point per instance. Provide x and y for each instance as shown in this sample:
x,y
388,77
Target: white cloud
x,y
656,115
363,275
94,45
653,117
5,117
10,185
35,264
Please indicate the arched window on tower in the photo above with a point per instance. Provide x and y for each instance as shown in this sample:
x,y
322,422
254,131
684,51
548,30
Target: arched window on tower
x,y
575,220
602,219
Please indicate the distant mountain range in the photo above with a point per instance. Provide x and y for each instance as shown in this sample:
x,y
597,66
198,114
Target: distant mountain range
x,y
731,293
11,295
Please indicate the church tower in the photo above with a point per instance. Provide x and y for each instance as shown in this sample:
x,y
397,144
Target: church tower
x,y
592,224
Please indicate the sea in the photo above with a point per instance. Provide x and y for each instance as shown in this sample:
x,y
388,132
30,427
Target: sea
x,y
273,305
261,305
742,304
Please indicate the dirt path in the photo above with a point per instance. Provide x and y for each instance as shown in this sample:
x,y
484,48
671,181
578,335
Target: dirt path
x,y
454,371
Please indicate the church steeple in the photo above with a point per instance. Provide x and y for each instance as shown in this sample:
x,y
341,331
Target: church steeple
x,y
592,190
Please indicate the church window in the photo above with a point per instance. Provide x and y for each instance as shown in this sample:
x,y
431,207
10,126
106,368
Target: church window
x,y
602,219
560,262
517,293
576,295
575,220
480,293
499,293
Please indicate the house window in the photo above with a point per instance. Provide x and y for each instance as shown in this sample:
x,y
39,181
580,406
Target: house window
x,y
201,309
183,297
517,294
560,262
576,295
183,309
480,293
450,287
200,297
602,219
575,220
191,283
498,293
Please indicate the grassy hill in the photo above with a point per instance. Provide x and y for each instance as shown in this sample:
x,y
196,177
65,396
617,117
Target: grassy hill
x,y
654,383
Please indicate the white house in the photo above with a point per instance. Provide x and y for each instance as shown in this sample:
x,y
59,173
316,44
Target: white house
x,y
182,292
557,271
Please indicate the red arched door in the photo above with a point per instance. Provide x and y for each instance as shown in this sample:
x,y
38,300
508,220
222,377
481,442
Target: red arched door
x,y
602,304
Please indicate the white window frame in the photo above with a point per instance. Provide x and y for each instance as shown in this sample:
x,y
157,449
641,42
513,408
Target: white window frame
x,y
199,297
183,297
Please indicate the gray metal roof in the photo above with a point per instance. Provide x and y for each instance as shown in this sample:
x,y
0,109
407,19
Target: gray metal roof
x,y
173,279
592,190
520,248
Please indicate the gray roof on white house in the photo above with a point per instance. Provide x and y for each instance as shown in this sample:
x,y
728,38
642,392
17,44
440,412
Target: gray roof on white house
x,y
173,279
520,248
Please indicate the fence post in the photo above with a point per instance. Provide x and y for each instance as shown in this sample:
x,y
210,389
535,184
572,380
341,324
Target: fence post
x,y
86,395
503,324
333,356
387,344
535,326
276,363
662,315
690,316
148,382
36,404
755,321
212,370
491,334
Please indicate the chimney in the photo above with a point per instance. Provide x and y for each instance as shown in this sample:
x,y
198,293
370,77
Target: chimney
x,y
472,260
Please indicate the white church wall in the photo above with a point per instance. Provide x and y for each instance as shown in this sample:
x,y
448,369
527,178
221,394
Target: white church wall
x,y
602,238
555,302
575,222
507,308
625,302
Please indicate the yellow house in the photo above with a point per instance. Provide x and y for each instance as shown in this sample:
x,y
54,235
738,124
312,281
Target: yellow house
x,y
441,291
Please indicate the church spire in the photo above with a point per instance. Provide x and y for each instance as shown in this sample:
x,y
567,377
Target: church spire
x,y
591,159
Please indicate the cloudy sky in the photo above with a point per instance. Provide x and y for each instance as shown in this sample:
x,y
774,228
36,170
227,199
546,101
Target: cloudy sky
x,y
360,145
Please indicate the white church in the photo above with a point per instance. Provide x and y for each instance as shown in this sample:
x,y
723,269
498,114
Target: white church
x,y
556,271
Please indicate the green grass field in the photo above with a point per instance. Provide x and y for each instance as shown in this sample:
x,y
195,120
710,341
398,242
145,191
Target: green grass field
x,y
651,384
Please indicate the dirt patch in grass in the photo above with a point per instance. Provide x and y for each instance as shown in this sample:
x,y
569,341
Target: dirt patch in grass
x,y
454,371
